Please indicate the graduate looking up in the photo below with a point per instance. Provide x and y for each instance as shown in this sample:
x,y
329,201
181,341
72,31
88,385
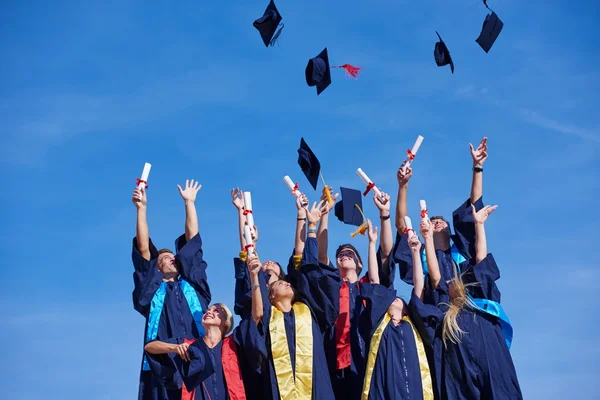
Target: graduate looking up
x,y
302,307
170,290
450,248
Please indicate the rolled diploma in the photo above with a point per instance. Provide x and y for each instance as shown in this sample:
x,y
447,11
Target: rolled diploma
x,y
367,181
408,224
249,242
248,207
423,207
145,175
414,149
290,184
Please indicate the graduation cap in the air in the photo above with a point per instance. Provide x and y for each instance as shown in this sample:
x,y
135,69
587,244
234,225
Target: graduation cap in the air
x,y
442,55
309,163
317,71
268,23
492,26
349,210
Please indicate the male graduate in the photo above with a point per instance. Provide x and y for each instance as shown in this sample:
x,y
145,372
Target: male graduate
x,y
170,290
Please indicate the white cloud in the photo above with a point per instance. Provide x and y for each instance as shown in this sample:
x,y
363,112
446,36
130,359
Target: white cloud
x,y
546,123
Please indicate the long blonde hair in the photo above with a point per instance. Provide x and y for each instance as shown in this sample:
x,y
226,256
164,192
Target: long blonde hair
x,y
451,330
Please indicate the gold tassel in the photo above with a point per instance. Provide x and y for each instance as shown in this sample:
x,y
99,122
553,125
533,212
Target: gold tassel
x,y
362,229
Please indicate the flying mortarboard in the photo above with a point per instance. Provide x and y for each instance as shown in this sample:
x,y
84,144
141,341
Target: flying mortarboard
x,y
442,55
346,209
317,71
492,26
309,163
268,23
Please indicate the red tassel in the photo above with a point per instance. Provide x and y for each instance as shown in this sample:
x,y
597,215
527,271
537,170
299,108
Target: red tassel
x,y
351,71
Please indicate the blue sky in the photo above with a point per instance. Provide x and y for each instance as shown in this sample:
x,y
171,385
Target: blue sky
x,y
89,91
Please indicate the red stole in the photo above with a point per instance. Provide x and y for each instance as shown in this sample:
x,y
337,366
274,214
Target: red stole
x,y
342,326
231,370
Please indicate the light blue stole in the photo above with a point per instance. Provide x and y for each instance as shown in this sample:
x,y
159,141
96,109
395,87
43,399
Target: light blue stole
x,y
156,307
487,306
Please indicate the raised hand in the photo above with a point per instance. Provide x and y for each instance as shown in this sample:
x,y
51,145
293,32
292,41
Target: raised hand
x,y
314,215
481,216
414,243
479,154
403,175
372,232
253,264
190,191
426,229
139,197
237,198
334,197
383,207
302,211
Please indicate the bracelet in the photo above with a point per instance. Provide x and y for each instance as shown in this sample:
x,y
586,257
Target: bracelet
x,y
385,218
300,219
477,169
312,230
254,286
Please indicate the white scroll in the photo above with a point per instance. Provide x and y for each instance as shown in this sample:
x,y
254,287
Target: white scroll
x,y
142,182
248,212
293,188
370,185
409,228
413,152
249,242
423,206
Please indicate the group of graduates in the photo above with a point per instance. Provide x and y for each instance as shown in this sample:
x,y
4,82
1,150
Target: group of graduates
x,y
318,330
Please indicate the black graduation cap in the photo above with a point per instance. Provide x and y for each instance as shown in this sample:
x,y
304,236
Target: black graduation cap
x,y
268,23
442,55
346,210
492,26
317,71
309,163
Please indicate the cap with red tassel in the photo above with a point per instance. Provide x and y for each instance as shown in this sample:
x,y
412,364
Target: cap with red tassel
x,y
351,70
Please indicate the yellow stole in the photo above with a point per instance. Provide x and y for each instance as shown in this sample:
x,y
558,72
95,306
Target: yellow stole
x,y
374,348
298,387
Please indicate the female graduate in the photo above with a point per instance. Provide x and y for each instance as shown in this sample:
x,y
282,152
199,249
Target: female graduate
x,y
475,357
347,349
397,367
171,291
302,308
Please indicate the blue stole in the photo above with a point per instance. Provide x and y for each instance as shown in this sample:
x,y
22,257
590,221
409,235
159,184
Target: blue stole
x,y
156,307
484,305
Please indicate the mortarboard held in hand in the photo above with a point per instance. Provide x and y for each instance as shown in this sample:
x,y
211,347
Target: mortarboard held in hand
x,y
318,72
268,23
349,210
309,163
492,26
442,55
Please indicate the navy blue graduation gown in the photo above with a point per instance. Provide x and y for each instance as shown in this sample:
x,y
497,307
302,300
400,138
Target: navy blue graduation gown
x,y
316,285
396,373
176,319
463,239
480,366
347,383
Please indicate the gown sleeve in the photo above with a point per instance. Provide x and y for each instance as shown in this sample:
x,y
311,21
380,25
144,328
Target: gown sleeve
x,y
242,293
428,318
163,366
199,368
464,228
193,267
387,271
146,278
483,276
378,299
251,343
403,257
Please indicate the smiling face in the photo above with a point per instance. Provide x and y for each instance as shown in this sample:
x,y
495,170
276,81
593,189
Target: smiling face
x,y
166,262
218,315
440,227
347,259
280,290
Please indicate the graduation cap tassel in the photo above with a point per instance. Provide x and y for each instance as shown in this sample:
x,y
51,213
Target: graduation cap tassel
x,y
327,191
351,71
362,229
276,36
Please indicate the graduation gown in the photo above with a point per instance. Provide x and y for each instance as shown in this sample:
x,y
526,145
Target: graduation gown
x,y
347,381
317,286
176,319
480,366
396,372
463,240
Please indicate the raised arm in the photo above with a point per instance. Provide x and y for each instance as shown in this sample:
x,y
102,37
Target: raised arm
x,y
300,235
479,156
238,202
158,347
257,301
323,232
418,279
386,237
372,256
403,176
480,240
142,235
189,198
432,262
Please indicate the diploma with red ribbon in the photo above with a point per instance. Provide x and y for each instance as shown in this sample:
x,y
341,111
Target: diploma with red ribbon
x,y
248,212
370,185
411,153
249,242
423,209
293,188
409,229
142,183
